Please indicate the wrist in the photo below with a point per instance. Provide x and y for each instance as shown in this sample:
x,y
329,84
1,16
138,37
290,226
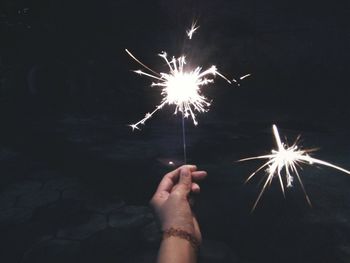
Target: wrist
x,y
183,235
180,225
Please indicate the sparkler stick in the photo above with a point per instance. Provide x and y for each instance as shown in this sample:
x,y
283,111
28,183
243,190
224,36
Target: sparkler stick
x,y
184,138
287,158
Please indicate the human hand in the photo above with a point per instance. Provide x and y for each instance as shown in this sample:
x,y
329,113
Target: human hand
x,y
171,200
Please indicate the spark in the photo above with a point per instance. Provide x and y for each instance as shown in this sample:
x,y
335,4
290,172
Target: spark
x,y
179,87
289,159
192,30
245,76
241,78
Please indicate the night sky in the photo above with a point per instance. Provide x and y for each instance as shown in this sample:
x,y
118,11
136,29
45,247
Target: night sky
x,y
67,94
296,51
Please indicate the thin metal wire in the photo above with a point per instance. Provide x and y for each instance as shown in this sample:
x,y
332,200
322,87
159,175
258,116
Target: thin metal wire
x,y
184,138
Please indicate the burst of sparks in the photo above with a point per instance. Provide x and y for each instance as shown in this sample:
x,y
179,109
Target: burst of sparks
x,y
192,30
283,163
179,87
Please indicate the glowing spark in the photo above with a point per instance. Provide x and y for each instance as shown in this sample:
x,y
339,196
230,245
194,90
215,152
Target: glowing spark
x,y
241,78
287,158
245,76
192,30
179,87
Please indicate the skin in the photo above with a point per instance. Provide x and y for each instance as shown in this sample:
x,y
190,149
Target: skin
x,y
171,204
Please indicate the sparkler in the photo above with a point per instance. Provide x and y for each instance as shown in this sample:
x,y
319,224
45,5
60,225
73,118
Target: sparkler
x,y
289,159
179,87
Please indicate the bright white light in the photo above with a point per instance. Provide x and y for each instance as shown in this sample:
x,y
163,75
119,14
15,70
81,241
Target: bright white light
x,y
284,162
179,87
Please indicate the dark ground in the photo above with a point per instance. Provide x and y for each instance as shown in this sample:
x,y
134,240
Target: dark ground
x,y
83,194
75,180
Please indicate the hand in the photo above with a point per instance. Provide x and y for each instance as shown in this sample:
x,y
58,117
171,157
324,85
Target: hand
x,y
171,200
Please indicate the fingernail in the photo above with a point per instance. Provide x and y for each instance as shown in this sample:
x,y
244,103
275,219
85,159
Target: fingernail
x,y
185,172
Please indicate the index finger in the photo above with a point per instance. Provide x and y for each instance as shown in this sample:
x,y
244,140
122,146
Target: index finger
x,y
171,178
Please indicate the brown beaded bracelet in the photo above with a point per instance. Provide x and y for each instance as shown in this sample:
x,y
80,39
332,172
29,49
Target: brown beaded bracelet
x,y
173,232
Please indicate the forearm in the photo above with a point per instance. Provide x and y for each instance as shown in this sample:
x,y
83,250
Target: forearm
x,y
175,250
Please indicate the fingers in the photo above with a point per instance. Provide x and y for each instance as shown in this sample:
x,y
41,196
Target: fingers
x,y
199,175
171,178
185,181
195,188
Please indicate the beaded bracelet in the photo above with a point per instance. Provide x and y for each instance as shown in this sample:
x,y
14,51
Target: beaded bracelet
x,y
182,234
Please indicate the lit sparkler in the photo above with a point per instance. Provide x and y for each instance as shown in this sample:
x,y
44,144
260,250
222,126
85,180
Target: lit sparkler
x,y
179,87
289,159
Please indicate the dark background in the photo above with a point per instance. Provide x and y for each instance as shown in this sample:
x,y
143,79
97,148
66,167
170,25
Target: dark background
x,y
67,94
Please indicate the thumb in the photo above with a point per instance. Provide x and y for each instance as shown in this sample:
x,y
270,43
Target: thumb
x,y
185,181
